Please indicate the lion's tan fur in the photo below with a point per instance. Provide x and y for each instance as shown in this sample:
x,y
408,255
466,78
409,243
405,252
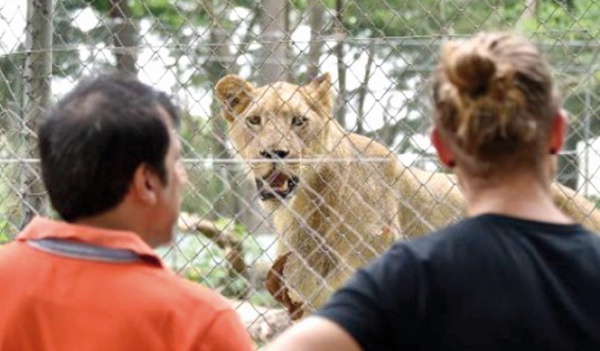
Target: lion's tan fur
x,y
354,199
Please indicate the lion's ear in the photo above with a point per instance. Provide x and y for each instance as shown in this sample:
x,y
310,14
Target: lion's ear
x,y
234,95
320,91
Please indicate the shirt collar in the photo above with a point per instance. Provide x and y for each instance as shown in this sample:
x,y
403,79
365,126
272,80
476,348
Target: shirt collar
x,y
42,228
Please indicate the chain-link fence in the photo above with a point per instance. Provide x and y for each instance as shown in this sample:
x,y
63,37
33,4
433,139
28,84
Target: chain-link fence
x,y
378,54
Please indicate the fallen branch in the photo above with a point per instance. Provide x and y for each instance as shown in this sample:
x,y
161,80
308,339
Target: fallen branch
x,y
226,240
263,323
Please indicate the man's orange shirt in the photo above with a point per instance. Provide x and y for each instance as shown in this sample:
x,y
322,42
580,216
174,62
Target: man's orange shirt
x,y
81,299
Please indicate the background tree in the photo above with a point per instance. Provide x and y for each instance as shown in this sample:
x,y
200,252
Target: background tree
x,y
124,36
273,61
37,92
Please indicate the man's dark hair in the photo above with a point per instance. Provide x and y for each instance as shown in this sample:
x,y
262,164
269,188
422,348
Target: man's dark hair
x,y
95,138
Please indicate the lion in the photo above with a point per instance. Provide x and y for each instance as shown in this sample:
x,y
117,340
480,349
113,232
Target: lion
x,y
338,199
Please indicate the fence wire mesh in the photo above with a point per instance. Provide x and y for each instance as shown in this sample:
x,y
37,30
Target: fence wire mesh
x,y
379,54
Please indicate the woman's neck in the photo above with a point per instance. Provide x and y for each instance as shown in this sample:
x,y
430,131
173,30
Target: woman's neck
x,y
520,195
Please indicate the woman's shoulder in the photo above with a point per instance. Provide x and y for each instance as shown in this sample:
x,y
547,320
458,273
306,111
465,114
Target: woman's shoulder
x,y
485,234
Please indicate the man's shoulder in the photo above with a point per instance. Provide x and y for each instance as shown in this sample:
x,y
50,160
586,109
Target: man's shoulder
x,y
204,295
10,253
189,294
214,317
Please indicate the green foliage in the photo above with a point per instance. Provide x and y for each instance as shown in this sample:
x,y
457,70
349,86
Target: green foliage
x,y
595,200
567,35
171,17
102,6
4,229
427,17
206,185
236,229
11,90
199,259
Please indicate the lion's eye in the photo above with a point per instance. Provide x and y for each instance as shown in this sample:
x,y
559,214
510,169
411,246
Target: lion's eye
x,y
254,120
297,121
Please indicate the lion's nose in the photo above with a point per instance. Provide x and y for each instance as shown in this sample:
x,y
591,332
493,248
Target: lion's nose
x,y
274,153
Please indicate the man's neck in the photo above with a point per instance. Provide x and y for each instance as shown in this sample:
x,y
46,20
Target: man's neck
x,y
117,219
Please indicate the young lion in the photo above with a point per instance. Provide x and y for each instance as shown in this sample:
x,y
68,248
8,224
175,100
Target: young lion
x,y
337,198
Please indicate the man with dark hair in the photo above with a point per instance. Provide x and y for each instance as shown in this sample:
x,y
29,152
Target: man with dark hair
x,y
110,161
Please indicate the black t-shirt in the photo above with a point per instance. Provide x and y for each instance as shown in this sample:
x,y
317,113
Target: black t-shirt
x,y
485,283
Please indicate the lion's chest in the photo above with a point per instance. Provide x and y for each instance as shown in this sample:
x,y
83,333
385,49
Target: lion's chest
x,y
331,208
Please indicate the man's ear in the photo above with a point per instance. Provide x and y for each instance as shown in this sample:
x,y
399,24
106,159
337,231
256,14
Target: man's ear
x,y
444,152
558,131
234,95
319,91
144,185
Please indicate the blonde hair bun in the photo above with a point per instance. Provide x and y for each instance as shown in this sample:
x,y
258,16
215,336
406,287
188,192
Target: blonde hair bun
x,y
470,69
494,95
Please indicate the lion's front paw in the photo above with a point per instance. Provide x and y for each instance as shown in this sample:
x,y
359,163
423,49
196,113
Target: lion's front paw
x,y
277,288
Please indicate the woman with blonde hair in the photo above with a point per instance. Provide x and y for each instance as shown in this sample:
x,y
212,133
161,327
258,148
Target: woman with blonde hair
x,y
517,273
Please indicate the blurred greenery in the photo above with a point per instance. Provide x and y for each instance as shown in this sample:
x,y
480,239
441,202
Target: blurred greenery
x,y
4,236
201,260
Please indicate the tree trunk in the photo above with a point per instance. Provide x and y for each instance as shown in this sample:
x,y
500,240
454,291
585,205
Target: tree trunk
x,y
316,18
217,66
363,90
340,32
124,37
273,61
240,201
37,87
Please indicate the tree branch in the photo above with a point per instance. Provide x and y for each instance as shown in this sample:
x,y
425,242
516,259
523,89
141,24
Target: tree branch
x,y
226,240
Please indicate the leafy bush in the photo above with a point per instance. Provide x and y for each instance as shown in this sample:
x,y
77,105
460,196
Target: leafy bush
x,y
4,236
201,260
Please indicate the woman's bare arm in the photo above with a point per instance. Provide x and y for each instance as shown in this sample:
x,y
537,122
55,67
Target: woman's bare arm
x,y
314,334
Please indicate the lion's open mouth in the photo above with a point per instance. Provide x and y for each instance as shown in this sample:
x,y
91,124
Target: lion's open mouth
x,y
276,184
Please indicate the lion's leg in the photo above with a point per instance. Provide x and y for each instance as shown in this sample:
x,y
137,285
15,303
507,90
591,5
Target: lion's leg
x,y
312,279
311,282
